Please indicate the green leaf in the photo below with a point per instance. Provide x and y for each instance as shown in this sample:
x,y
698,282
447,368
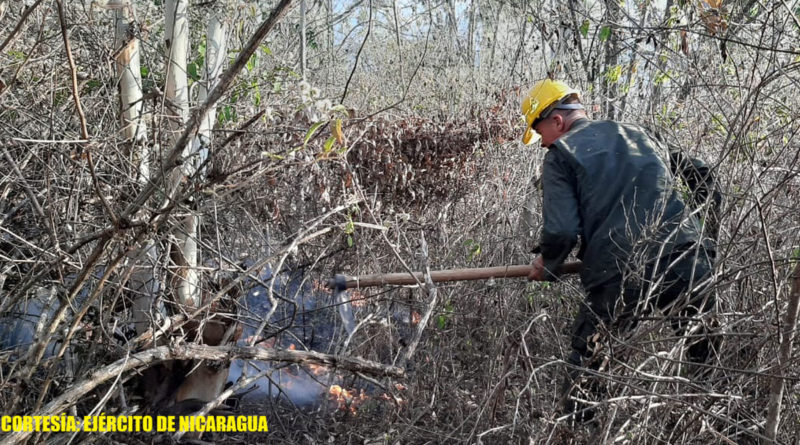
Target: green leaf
x,y
605,33
614,73
350,227
350,241
192,70
256,93
251,63
311,131
585,28
474,249
226,114
93,85
266,50
144,70
441,322
328,145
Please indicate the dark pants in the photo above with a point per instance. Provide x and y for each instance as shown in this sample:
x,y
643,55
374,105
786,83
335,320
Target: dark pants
x,y
676,285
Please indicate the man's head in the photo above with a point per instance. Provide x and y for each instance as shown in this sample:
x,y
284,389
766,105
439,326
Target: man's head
x,y
550,109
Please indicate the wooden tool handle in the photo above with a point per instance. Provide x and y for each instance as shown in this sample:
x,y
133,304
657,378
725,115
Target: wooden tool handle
x,y
438,276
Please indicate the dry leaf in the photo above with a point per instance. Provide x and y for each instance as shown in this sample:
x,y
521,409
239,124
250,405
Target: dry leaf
x,y
336,131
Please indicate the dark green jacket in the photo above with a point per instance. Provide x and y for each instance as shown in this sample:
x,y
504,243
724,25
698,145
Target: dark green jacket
x,y
609,184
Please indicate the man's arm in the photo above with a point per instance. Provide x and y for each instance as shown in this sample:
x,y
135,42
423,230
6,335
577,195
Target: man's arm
x,y
561,217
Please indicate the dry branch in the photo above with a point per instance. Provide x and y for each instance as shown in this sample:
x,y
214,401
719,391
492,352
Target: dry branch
x,y
21,22
784,358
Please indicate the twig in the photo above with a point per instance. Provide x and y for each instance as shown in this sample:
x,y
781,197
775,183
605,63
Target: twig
x,y
358,54
16,29
27,188
433,297
784,359
96,182
236,134
48,141
72,70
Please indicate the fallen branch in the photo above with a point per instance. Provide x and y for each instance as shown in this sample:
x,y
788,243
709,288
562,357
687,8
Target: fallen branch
x,y
193,351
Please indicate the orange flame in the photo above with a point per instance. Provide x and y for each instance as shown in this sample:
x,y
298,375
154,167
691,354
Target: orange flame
x,y
347,400
357,299
317,369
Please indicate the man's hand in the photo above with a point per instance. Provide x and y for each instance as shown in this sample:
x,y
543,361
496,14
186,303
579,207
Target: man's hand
x,y
537,273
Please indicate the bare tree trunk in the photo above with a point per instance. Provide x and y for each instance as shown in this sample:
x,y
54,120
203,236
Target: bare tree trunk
x,y
330,70
494,36
784,358
626,85
609,87
573,5
521,47
452,26
215,57
661,64
142,281
185,256
303,55
130,80
399,46
177,41
471,34
207,379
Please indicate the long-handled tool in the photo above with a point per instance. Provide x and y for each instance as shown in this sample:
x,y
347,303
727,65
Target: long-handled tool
x,y
342,282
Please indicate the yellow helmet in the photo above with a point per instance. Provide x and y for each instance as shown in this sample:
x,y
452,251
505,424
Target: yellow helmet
x,y
544,94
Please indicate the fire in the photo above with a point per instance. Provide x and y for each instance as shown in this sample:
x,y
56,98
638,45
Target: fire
x,y
347,400
357,299
260,342
393,398
318,369
338,392
319,286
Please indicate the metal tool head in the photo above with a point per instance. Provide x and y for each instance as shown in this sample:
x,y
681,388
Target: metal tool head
x,y
339,285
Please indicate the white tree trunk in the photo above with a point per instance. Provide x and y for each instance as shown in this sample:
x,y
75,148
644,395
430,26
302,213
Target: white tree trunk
x,y
185,258
177,40
142,281
208,379
215,58
134,127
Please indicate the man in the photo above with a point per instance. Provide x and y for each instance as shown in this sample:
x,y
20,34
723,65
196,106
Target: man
x,y
610,186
